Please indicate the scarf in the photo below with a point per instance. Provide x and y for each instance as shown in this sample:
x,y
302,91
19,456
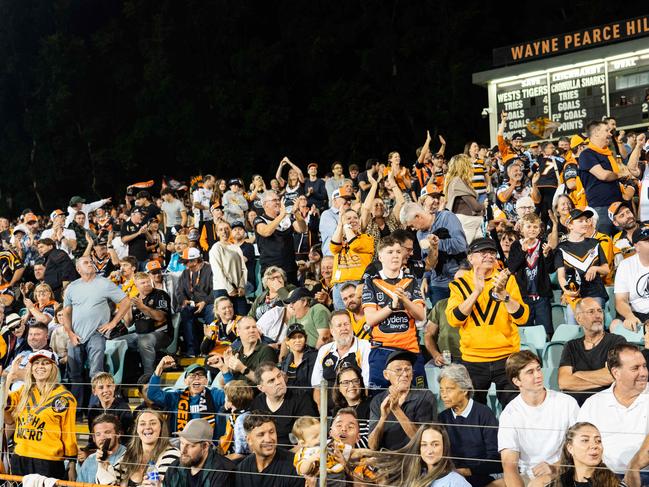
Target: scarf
x,y
611,159
205,409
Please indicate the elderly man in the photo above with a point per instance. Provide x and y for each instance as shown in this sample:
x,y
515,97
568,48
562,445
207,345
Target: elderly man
x,y
199,465
620,412
396,413
87,321
582,370
274,232
330,218
486,305
197,400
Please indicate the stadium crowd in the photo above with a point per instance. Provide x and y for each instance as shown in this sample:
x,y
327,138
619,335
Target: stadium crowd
x,y
476,321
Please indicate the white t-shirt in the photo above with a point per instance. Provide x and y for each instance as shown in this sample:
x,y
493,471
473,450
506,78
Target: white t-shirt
x,y
631,277
623,429
536,433
202,196
67,235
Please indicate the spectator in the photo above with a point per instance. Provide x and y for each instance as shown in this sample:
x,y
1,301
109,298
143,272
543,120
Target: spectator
x,y
238,397
485,348
106,434
620,412
461,198
14,337
513,189
44,412
582,370
103,255
219,334
78,204
176,265
600,172
299,362
42,311
349,394
314,188
336,181
533,425
395,412
105,400
150,313
303,242
234,202
314,317
329,219
286,405
202,201
244,361
229,271
174,214
194,296
208,233
581,459
150,211
350,293
274,232
274,464
472,428
248,251
345,429
622,217
87,321
59,268
150,444
196,400
293,186
376,220
276,288
199,465
392,303
135,233
307,452
64,238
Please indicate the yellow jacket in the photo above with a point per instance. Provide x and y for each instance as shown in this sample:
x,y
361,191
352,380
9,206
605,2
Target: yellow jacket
x,y
351,258
489,333
46,429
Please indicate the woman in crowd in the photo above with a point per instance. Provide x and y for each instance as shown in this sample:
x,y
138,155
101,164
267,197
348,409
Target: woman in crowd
x,y
302,242
275,289
506,240
44,414
581,460
150,444
229,269
298,364
461,198
181,242
376,220
480,179
472,428
349,392
424,462
42,311
400,173
562,207
293,186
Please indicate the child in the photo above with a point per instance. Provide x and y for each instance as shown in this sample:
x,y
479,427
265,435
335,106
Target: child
x,y
105,400
238,396
307,457
59,338
530,261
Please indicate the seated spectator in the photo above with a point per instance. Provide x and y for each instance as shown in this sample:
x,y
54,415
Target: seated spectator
x,y
631,299
276,464
346,428
200,464
106,400
150,443
306,431
275,288
581,459
243,361
313,316
582,370
620,412
349,394
299,363
238,397
621,214
59,339
64,238
176,265
471,426
106,430
286,405
143,387
197,400
533,425
350,293
41,311
424,461
150,313
395,412
222,332
14,337
514,188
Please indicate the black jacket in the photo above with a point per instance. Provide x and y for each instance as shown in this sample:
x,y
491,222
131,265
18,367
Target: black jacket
x,y
517,263
199,290
58,268
217,471
300,377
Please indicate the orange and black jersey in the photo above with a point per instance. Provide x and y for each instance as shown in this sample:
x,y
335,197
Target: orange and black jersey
x,y
577,258
479,180
398,330
9,264
550,170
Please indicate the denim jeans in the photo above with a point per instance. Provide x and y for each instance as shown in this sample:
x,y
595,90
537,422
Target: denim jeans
x,y
147,344
483,374
437,293
192,329
540,313
92,351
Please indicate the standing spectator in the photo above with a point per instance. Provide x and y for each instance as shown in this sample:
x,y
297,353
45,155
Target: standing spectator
x,y
59,268
486,305
208,232
194,296
293,185
513,189
582,370
620,412
174,214
395,412
78,204
202,201
267,465
64,238
103,255
135,233
330,218
87,321
314,188
274,233
151,211
229,270
376,220
248,251
461,198
600,172
371,169
513,150
234,202
336,181
533,425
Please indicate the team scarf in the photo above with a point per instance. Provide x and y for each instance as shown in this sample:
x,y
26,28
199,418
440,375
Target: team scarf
x,y
205,408
611,159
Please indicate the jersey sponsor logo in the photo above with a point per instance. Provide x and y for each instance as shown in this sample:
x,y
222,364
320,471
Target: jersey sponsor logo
x,y
60,404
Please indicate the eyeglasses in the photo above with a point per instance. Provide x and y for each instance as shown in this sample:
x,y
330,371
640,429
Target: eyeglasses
x,y
196,375
401,371
351,382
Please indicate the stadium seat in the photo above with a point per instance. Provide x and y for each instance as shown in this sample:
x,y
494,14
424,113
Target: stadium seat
x,y
552,354
563,333
556,296
635,337
558,315
432,373
175,323
551,378
534,336
610,304
115,354
493,402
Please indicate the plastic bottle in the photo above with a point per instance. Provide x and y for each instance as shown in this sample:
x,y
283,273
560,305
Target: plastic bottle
x,y
152,473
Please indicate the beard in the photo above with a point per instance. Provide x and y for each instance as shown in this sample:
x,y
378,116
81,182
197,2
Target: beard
x,y
189,462
345,341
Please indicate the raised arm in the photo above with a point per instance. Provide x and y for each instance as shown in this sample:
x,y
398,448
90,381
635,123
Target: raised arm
x,y
366,208
425,149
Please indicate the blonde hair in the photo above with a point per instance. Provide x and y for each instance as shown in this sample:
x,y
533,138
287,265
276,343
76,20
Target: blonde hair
x,y
459,166
47,287
102,378
301,424
30,383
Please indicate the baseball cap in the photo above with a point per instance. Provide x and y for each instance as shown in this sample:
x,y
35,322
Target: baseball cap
x,y
614,209
194,367
401,355
237,224
191,253
20,228
56,213
193,235
196,431
517,136
430,189
75,200
641,233
30,217
137,209
297,294
312,164
570,172
153,265
578,213
44,353
236,181
295,328
216,206
480,244
342,192
534,144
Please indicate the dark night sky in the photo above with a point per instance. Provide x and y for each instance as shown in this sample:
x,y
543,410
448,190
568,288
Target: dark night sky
x,y
97,95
